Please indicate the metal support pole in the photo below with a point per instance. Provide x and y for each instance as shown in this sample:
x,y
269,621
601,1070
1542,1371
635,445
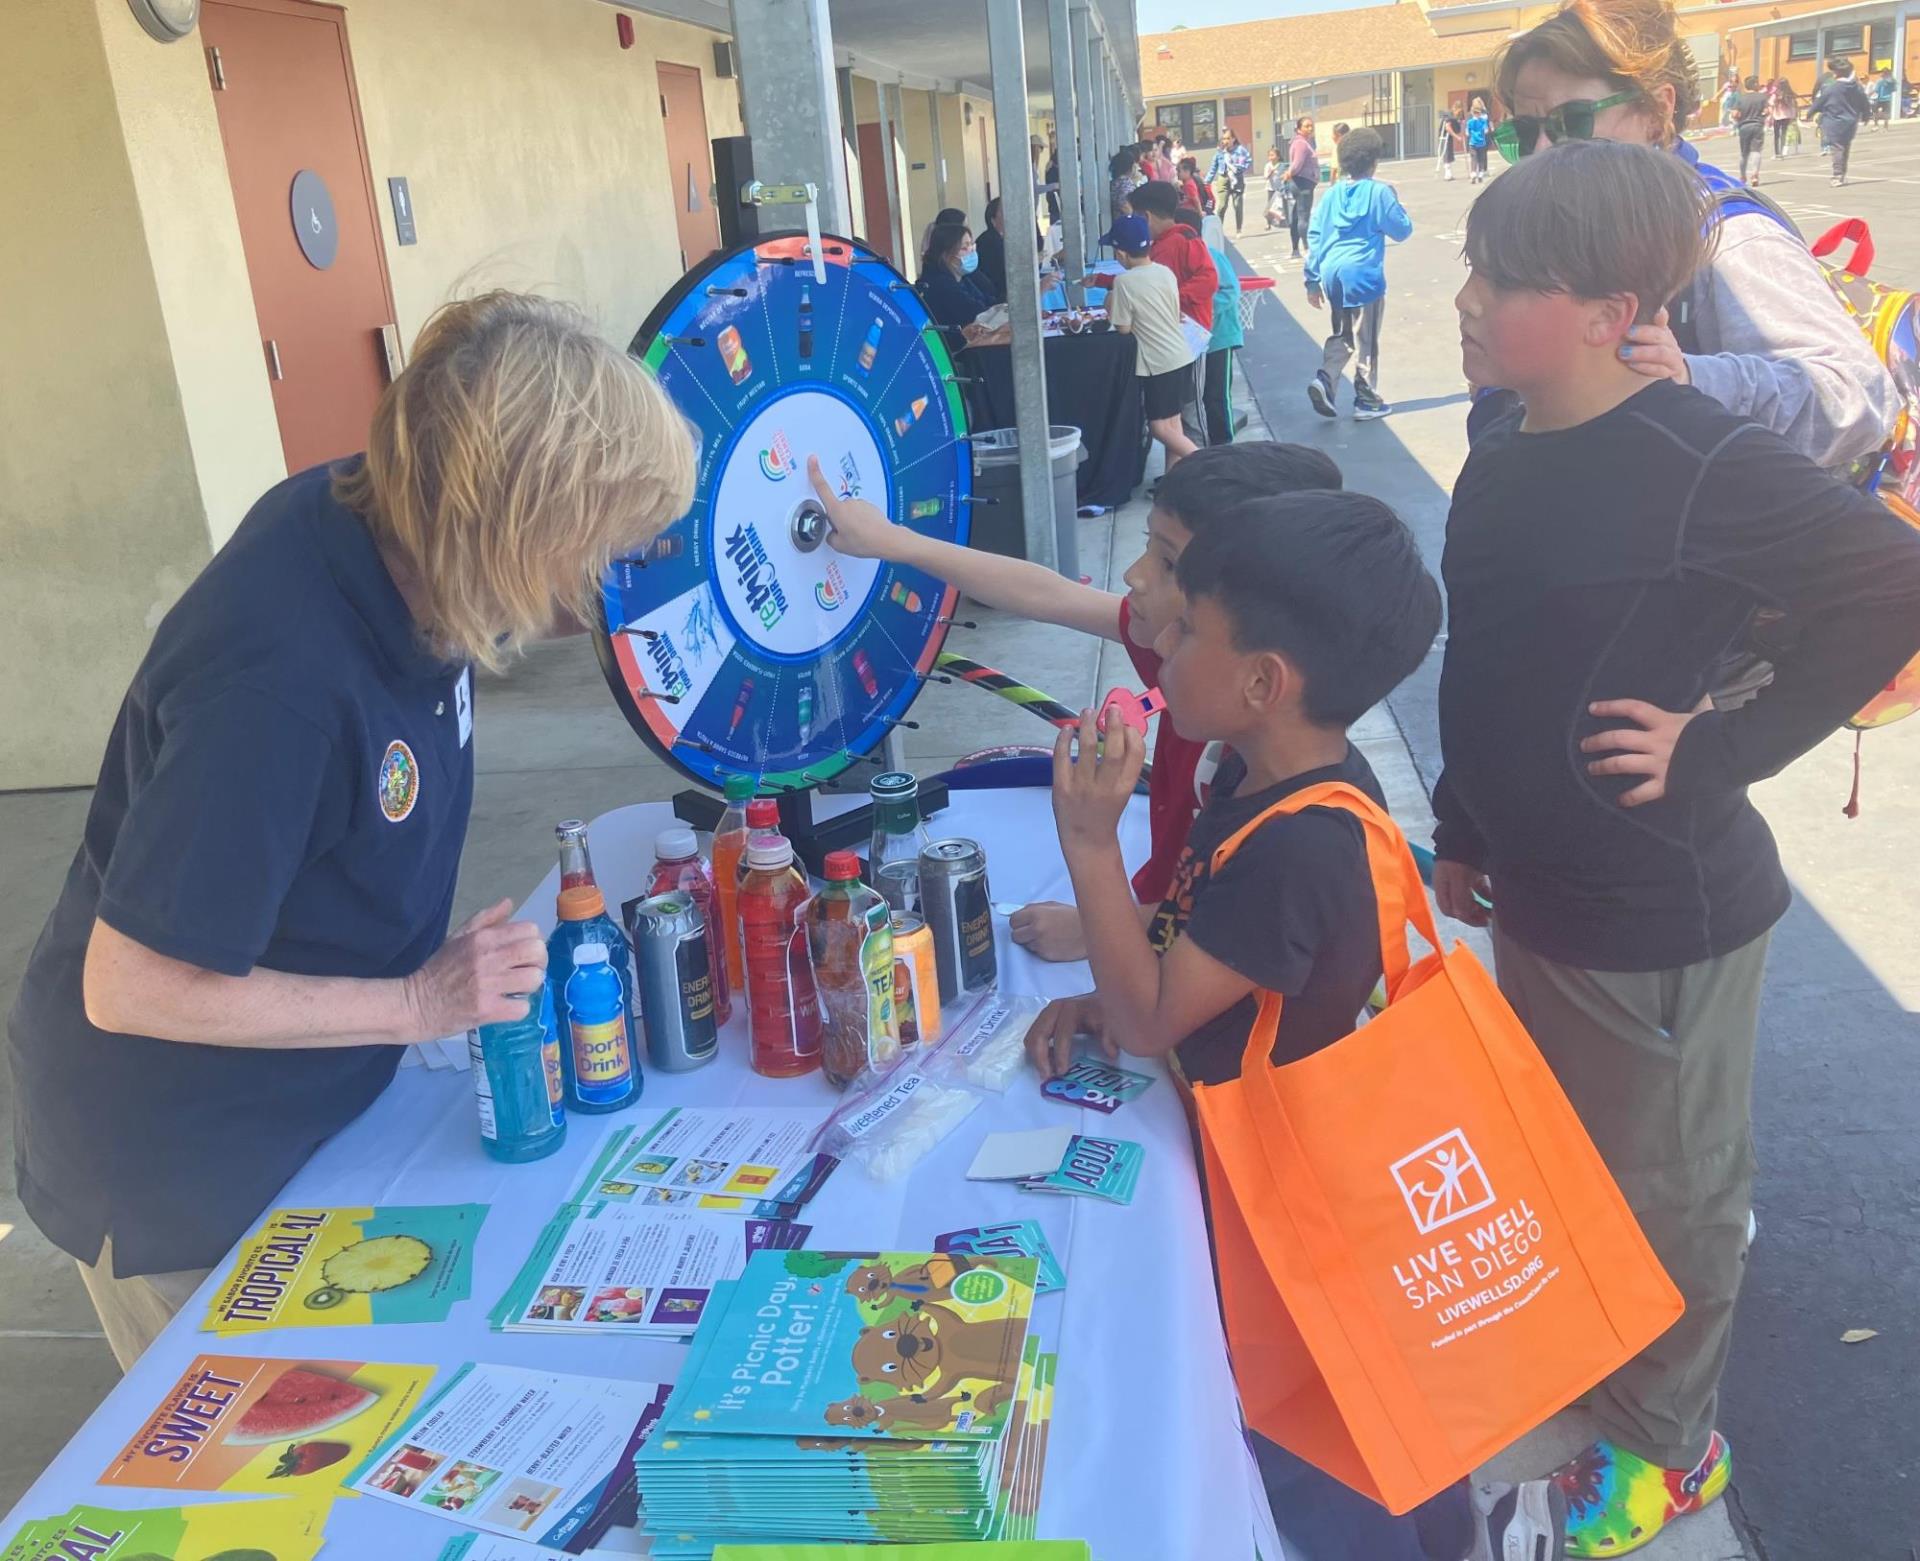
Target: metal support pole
x,y
939,151
791,104
888,97
1007,50
1067,132
1899,65
1094,146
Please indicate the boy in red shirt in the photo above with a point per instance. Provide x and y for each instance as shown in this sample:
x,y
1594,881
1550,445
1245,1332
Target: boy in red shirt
x,y
1210,481
1182,251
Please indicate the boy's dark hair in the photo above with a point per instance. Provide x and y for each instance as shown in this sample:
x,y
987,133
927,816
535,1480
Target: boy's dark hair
x,y
1332,581
1842,67
1190,217
1119,163
1222,477
992,211
1596,219
1158,199
1360,153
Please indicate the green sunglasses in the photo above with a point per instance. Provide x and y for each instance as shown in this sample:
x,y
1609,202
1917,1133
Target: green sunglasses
x,y
1518,136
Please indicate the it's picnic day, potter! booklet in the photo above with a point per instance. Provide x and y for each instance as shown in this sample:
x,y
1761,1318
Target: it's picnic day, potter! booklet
x,y
285,1530
614,1270
804,1340
346,1267
277,1427
526,1454
753,1160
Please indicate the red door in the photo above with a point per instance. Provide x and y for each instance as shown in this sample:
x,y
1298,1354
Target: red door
x,y
873,191
1240,120
283,88
689,163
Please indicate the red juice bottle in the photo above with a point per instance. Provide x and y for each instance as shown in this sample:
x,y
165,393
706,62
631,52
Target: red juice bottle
x,y
783,1006
677,865
729,857
763,822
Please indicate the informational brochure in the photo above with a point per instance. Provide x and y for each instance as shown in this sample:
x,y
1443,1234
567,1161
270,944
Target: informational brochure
x,y
974,1550
347,1267
278,1427
622,1270
754,1160
1015,1238
287,1530
511,1451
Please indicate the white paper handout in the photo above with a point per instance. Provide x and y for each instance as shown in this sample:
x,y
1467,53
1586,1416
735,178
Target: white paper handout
x,y
1005,1157
753,1160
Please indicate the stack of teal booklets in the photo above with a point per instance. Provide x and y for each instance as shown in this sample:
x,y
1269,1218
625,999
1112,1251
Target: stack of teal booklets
x,y
854,1397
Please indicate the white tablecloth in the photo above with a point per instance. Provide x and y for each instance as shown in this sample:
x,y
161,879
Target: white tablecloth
x,y
1146,1460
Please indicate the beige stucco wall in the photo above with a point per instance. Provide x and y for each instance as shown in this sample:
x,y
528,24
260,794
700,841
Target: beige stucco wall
x,y
533,149
102,518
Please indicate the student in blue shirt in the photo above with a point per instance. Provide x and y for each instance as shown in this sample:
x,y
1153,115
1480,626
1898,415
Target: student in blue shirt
x,y
255,923
1346,271
1478,129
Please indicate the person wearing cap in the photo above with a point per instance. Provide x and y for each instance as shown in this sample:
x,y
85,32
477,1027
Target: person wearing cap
x,y
1145,303
255,924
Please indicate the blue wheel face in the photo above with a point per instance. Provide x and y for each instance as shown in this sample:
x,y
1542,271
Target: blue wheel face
x,y
740,641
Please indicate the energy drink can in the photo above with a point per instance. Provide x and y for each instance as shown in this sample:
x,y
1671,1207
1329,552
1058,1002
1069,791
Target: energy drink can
x,y
673,964
959,912
916,981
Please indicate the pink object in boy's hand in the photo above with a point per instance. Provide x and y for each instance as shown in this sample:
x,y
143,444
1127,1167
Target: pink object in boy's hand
x,y
1135,709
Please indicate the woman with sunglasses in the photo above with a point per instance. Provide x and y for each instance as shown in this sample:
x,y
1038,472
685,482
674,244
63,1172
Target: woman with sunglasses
x,y
1758,329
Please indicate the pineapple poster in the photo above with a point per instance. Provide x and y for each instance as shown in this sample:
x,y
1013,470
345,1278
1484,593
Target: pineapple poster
x,y
274,1427
347,1267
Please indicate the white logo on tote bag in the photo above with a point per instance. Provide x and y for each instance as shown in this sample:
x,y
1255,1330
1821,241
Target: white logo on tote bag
x,y
1442,1182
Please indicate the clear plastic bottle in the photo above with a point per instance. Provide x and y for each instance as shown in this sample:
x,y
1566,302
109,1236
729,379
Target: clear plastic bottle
x,y
576,863
518,1084
677,865
729,859
763,819
783,1006
602,1066
893,859
851,939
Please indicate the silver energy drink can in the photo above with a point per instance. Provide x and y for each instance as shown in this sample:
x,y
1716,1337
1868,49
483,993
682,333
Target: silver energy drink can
x,y
959,913
673,966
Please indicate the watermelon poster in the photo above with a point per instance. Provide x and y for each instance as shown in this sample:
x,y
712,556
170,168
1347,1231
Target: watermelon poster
x,y
278,1427
347,1267
216,1531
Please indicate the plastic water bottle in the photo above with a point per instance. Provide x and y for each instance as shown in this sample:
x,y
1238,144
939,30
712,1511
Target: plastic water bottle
x,y
783,1007
851,938
729,859
677,866
599,1045
518,1084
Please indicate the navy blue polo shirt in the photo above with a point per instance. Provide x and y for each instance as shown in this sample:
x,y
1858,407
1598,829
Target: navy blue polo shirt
x,y
287,786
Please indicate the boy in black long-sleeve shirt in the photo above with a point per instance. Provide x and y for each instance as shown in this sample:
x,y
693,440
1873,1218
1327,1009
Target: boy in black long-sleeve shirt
x,y
1608,540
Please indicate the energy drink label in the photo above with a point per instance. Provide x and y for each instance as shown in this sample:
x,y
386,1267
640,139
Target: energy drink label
x,y
739,641
959,910
673,963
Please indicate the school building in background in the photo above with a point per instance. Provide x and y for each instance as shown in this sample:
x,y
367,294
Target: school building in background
x,y
1395,67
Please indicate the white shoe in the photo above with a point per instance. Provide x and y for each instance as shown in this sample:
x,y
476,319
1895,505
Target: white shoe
x,y
1525,1522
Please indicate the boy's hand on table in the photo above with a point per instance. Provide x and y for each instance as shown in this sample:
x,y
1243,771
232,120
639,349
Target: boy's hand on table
x,y
860,529
1090,793
1049,930
1050,1037
1645,749
1454,885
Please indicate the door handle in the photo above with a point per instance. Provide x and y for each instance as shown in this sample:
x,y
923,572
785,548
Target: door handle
x,y
274,371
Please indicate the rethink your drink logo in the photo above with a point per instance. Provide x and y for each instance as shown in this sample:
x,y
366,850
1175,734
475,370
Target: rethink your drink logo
x,y
755,575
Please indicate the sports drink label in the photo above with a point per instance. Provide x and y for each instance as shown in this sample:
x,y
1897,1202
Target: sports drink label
x,y
601,1062
556,1077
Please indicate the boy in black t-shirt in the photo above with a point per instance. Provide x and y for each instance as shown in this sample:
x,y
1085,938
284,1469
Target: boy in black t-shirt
x,y
1300,613
1608,541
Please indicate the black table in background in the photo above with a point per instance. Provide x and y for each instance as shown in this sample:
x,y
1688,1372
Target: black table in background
x,y
1090,385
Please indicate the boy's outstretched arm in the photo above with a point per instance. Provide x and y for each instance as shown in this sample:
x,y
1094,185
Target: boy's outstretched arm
x,y
1148,1004
861,530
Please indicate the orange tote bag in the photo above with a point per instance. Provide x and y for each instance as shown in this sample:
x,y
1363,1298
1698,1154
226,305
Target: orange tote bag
x,y
1421,1254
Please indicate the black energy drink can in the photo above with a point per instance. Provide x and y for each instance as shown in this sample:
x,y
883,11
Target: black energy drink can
x,y
672,966
959,913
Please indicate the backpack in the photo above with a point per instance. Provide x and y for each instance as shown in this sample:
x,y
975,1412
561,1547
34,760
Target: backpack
x,y
1890,319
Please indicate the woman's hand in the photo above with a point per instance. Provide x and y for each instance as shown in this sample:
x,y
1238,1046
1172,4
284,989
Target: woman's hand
x,y
1652,350
1645,749
1050,1037
1455,888
1090,793
860,529
1049,930
482,974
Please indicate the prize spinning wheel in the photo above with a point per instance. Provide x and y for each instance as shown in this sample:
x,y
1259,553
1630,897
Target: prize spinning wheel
x,y
740,641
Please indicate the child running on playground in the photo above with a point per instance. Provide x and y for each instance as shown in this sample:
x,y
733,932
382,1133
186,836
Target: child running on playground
x,y
1607,541
1297,615
1346,272
1187,502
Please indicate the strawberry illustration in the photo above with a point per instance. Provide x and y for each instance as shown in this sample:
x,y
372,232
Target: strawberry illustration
x,y
308,1457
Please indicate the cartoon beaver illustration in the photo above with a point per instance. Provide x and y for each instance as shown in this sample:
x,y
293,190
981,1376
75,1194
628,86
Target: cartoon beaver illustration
x,y
934,1349
909,1410
874,1283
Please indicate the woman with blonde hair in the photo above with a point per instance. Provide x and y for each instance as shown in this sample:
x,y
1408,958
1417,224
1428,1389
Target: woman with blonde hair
x,y
255,923
1758,329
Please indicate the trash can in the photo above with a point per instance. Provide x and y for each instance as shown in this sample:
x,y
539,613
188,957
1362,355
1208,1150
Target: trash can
x,y
1000,514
